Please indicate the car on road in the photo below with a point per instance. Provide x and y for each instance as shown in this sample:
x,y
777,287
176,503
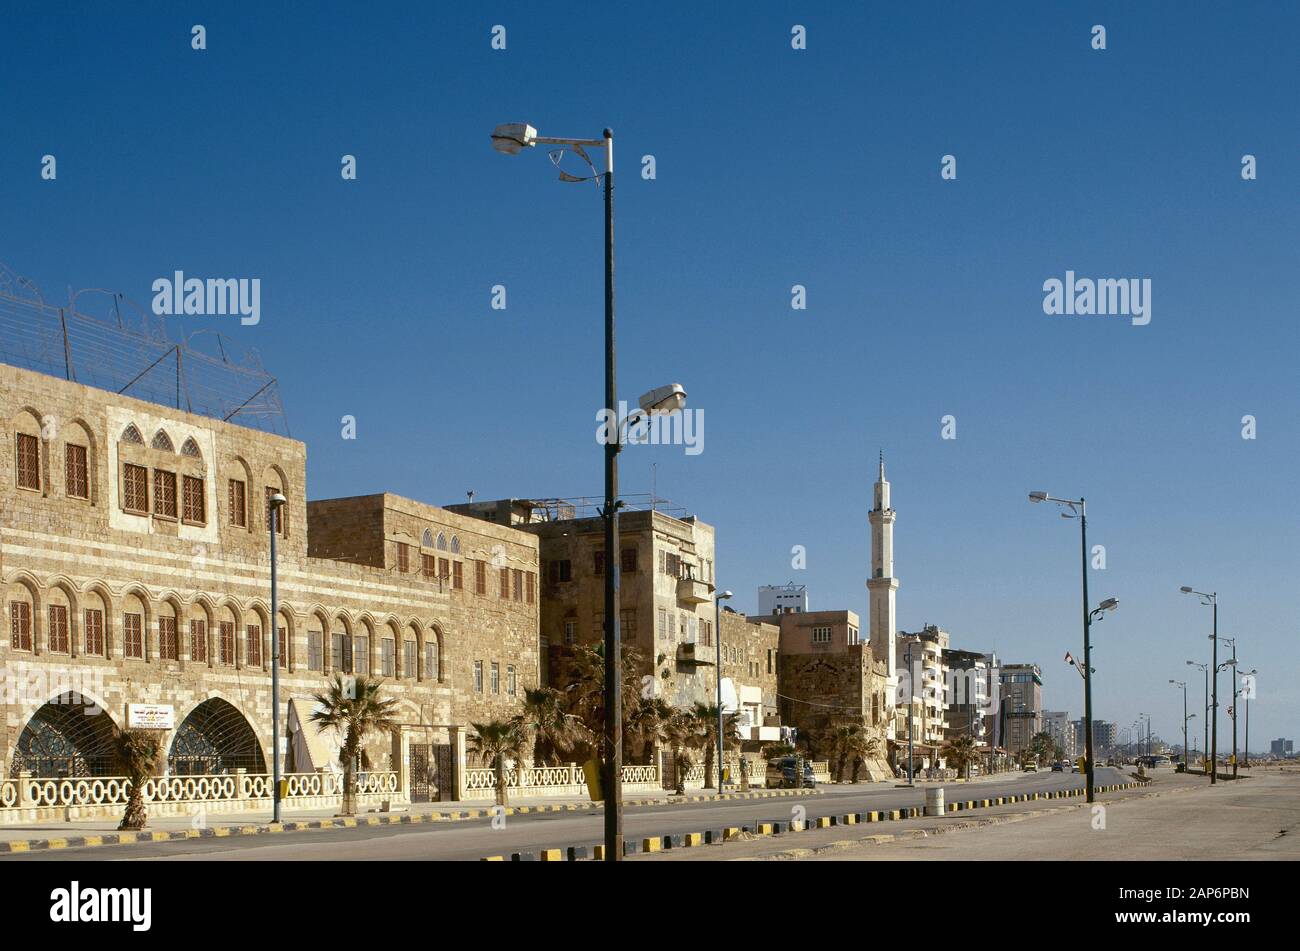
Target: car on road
x,y
1058,767
781,773
1030,768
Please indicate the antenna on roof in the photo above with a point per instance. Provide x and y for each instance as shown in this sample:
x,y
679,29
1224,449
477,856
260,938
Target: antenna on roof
x,y
470,493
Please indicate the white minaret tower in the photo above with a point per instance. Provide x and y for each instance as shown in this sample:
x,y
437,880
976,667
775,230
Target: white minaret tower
x,y
882,586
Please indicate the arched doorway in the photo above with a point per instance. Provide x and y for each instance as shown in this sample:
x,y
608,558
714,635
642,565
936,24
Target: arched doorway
x,y
68,736
215,738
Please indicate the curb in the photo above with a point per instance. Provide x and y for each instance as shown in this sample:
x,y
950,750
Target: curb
x,y
680,840
388,819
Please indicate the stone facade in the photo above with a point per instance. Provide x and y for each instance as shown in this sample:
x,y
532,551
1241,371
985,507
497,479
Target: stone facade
x,y
135,568
666,584
751,662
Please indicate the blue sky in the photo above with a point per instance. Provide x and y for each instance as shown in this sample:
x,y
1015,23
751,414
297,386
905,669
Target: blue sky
x,y
774,167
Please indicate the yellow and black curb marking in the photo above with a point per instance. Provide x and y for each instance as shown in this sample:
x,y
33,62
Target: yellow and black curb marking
x,y
384,819
687,840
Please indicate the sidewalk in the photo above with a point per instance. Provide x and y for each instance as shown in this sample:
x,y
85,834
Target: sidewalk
x,y
95,832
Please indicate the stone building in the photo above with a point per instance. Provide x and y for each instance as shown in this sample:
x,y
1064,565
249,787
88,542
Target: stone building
x,y
135,570
828,677
666,585
750,671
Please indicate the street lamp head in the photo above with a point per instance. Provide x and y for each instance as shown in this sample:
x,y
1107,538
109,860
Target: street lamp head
x,y
664,399
723,595
1038,496
1110,604
277,500
511,138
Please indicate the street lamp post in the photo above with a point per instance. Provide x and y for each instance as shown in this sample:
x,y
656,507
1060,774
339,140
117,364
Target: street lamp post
x,y
1212,599
1205,668
275,503
1080,510
1183,684
717,604
1233,711
1248,673
511,139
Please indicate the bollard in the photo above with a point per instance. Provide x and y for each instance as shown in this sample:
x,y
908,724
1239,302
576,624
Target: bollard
x,y
934,801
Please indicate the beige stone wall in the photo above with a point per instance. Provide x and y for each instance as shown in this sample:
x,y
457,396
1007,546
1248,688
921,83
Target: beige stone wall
x,y
751,655
797,631
90,553
572,611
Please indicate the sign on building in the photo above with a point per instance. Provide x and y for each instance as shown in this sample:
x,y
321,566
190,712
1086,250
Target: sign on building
x,y
150,716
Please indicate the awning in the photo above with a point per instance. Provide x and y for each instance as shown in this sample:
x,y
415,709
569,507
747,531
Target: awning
x,y
312,749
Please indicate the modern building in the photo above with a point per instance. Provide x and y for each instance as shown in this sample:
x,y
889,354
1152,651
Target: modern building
x,y
1282,748
1021,705
135,570
1105,737
666,587
968,700
1057,725
919,660
780,598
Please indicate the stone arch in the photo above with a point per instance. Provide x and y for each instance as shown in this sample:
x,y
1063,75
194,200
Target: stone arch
x,y
342,629
455,544
442,541
365,654
214,738
131,434
68,735
29,422
433,652
427,540
273,477
24,591
413,630
162,441
231,612
96,597
191,448
135,600
197,636
77,432
60,595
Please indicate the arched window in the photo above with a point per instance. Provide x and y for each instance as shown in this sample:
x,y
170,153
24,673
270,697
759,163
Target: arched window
x,y
455,544
442,541
162,441
427,541
132,435
191,448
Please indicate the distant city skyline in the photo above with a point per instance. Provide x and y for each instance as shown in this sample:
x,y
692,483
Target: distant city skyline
x,y
774,167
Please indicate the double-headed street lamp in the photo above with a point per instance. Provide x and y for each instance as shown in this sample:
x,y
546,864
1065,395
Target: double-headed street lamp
x,y
511,139
1205,668
1183,684
1079,510
1212,600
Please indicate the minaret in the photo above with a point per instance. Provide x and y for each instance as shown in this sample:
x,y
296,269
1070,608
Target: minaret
x,y
882,583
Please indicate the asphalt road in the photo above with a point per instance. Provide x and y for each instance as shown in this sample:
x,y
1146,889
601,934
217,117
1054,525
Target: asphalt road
x,y
473,839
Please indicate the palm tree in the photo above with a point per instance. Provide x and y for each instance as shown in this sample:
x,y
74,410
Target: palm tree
x,y
960,752
494,742
646,725
355,709
553,729
586,690
706,717
681,732
138,753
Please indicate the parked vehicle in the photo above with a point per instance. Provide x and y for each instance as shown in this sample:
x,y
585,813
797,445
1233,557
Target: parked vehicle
x,y
1030,768
1058,767
781,773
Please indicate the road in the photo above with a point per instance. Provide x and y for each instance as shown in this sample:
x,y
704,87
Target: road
x,y
473,839
1178,818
